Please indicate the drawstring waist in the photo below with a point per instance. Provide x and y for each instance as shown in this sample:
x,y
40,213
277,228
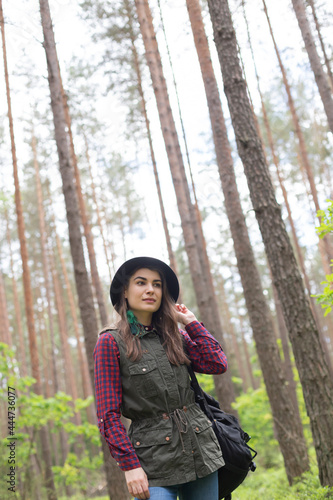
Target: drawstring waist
x,y
179,418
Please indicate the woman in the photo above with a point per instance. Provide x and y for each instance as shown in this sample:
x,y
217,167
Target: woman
x,y
141,372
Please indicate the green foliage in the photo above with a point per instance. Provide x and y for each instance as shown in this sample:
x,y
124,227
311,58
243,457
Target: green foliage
x,y
272,484
326,220
32,412
256,419
74,471
325,299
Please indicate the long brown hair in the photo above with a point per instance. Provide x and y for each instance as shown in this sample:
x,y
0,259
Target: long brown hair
x,y
164,321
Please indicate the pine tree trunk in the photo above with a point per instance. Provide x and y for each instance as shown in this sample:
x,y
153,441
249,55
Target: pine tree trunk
x,y
320,77
45,261
254,382
82,356
5,335
229,327
98,213
302,145
290,218
202,280
293,448
115,478
46,452
18,317
316,382
171,254
326,59
84,216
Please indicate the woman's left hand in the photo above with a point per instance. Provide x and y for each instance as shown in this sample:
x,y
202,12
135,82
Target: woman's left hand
x,y
184,316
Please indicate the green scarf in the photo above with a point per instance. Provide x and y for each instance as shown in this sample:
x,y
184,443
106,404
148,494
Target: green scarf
x,y
137,329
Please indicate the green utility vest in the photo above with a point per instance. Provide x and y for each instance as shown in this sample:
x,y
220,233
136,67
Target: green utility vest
x,y
173,438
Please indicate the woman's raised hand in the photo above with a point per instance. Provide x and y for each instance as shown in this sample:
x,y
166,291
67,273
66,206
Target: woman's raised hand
x,y
184,316
137,483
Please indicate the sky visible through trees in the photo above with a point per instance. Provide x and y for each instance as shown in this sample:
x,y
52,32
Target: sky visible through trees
x,y
101,55
73,37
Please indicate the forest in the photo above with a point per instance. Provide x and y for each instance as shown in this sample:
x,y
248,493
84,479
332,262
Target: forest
x,y
199,132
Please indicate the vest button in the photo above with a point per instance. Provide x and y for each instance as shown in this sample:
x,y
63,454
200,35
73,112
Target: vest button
x,y
138,443
144,369
197,429
167,438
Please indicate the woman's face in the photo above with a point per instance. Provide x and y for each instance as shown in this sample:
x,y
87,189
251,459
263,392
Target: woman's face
x,y
144,293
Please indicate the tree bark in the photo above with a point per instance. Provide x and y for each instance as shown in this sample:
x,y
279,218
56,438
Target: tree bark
x,y
314,375
316,66
114,476
18,317
5,335
46,452
85,220
171,254
45,260
98,213
302,145
321,40
194,246
292,443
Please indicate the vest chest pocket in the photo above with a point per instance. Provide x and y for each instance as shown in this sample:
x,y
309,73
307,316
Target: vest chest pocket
x,y
146,377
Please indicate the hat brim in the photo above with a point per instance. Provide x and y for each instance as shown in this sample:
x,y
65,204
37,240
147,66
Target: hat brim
x,y
127,268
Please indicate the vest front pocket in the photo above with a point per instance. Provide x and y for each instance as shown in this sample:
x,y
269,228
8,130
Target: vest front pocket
x,y
206,438
146,377
155,449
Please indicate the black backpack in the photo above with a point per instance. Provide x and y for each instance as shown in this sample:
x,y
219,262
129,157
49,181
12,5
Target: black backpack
x,y
237,454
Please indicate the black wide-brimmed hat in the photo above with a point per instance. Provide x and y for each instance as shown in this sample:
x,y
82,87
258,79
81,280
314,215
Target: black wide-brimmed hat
x,y
126,270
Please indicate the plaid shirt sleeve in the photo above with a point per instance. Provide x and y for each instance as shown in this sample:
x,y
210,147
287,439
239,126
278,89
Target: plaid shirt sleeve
x,y
203,349
108,393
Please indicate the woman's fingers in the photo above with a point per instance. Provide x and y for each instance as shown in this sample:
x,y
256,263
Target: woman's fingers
x,y
137,483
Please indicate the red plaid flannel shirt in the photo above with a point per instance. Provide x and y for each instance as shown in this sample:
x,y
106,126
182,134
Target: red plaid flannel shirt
x,y
206,356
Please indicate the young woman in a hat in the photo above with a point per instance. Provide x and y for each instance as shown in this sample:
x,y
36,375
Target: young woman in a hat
x,y
141,371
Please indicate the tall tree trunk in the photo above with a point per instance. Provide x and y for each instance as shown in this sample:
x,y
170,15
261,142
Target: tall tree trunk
x,y
299,253
320,77
316,382
292,444
229,326
321,40
82,356
202,281
114,476
302,145
84,216
5,335
98,213
171,254
18,317
45,261
46,452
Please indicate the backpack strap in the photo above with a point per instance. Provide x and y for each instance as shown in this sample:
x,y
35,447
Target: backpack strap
x,y
199,394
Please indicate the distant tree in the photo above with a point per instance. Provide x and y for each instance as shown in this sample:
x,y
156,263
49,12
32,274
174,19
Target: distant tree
x,y
301,140
322,44
46,452
319,74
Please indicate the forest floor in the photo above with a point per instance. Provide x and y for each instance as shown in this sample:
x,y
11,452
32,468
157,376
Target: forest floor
x,y
272,484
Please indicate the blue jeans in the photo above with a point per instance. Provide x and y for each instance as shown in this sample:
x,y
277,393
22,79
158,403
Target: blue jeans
x,y
203,488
